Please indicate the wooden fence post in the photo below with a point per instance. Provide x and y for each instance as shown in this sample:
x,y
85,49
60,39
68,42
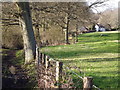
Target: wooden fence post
x,y
43,58
46,61
40,58
58,72
87,83
37,56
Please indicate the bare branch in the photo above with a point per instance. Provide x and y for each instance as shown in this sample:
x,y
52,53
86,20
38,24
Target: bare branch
x,y
98,2
7,19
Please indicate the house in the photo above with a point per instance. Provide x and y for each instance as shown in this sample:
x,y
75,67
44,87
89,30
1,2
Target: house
x,y
99,27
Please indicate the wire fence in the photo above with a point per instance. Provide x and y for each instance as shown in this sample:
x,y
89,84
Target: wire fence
x,y
54,74
94,86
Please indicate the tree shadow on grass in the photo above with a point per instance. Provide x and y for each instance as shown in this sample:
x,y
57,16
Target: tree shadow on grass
x,y
102,79
105,82
76,53
92,60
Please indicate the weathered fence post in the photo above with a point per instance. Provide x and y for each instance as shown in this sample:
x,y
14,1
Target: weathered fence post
x,y
58,72
46,65
87,83
37,56
40,57
43,58
46,61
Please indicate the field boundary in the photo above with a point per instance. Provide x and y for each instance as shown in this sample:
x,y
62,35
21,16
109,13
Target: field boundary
x,y
50,73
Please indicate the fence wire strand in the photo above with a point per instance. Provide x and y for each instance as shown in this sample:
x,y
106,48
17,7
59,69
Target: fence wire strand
x,y
51,59
81,77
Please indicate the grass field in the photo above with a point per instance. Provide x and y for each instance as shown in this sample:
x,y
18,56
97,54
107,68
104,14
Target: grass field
x,y
96,55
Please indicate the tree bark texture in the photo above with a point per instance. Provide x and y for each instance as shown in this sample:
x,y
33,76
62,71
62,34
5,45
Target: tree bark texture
x,y
76,40
67,30
28,33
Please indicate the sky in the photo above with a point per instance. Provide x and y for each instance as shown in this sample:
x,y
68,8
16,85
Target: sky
x,y
111,4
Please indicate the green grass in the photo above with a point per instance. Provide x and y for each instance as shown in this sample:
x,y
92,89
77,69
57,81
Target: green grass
x,y
96,55
11,57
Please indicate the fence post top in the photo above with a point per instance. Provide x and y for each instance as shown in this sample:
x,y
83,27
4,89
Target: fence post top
x,y
36,46
88,77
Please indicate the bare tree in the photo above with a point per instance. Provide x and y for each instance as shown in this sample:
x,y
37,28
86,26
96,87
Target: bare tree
x,y
69,12
109,18
28,34
63,13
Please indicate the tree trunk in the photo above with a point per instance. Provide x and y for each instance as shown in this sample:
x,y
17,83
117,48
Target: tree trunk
x,y
28,33
76,36
38,39
66,30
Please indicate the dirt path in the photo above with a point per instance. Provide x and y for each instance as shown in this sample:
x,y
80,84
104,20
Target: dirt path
x,y
15,77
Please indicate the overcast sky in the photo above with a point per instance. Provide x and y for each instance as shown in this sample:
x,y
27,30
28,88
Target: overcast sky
x,y
111,4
